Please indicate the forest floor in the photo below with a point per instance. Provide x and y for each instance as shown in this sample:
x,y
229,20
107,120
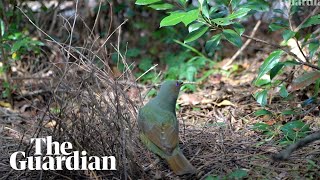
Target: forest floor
x,y
216,130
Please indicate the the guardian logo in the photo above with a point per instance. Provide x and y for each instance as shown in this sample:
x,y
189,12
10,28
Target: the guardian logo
x,y
59,157
305,2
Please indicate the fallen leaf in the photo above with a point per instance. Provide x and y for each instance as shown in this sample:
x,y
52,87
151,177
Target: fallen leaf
x,y
304,80
187,99
50,124
225,103
5,104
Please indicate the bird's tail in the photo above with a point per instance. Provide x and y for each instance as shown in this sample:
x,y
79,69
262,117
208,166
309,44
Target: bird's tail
x,y
179,163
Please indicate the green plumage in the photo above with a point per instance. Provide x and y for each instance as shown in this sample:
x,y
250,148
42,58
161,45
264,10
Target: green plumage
x,y
159,129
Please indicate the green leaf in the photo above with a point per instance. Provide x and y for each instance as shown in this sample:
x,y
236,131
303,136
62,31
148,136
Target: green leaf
x,y
258,5
275,27
146,2
18,44
190,73
314,20
196,34
241,12
262,112
145,64
238,174
173,19
163,6
194,26
232,37
261,97
190,16
288,112
239,28
279,24
2,27
313,164
205,10
278,11
275,70
313,47
283,91
222,21
133,52
235,3
211,177
269,63
295,129
213,42
262,81
263,127
287,34
290,63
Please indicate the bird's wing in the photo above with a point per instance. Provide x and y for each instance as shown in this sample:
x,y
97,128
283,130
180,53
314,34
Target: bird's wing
x,y
160,127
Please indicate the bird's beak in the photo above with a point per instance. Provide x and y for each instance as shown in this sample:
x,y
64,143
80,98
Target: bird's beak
x,y
179,83
190,83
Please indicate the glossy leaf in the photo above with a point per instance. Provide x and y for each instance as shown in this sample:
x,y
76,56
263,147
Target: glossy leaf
x,y
146,2
269,63
235,3
213,42
279,24
295,129
288,112
18,44
232,37
163,6
196,34
2,27
290,63
258,5
275,27
205,10
173,19
262,112
238,174
313,47
190,16
263,127
283,91
194,26
222,21
262,81
275,70
314,20
241,12
239,28
280,11
305,80
287,34
261,97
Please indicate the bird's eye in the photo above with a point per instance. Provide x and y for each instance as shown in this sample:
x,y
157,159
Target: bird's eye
x,y
179,83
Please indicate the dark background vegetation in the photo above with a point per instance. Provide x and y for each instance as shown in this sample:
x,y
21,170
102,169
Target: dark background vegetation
x,y
80,70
